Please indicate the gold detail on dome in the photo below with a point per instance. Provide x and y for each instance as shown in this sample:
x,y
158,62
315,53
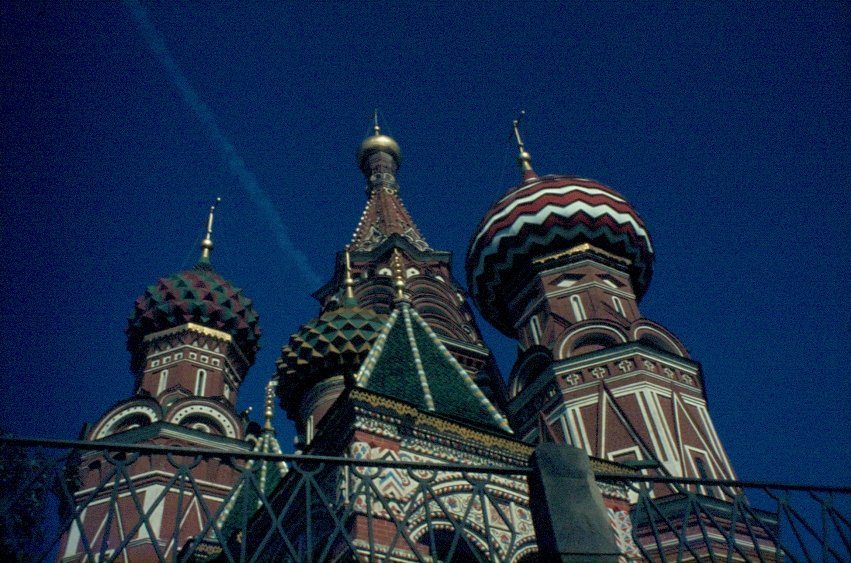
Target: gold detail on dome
x,y
379,143
206,331
580,248
207,243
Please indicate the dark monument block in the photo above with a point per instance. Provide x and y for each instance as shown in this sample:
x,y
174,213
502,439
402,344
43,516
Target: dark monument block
x,y
570,519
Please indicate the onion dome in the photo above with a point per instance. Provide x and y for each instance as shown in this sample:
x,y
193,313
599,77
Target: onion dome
x,y
378,144
199,296
333,344
542,217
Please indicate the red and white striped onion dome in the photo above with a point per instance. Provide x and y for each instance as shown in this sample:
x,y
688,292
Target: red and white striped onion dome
x,y
541,217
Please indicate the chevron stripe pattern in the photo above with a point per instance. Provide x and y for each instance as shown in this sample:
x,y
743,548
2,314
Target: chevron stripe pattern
x,y
542,217
197,296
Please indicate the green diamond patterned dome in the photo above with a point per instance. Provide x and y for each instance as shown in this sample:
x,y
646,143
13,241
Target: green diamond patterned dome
x,y
199,296
333,344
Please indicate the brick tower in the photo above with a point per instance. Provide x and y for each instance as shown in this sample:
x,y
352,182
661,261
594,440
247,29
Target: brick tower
x,y
192,337
560,264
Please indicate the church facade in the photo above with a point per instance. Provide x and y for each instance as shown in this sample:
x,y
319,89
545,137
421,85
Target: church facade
x,y
394,369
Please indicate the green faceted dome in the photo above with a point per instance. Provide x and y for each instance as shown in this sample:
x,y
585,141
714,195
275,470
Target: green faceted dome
x,y
334,344
199,296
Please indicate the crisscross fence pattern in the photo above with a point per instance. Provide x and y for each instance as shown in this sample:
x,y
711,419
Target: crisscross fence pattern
x,y
157,503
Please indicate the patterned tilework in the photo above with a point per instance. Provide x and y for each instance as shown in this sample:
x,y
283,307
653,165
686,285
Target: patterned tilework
x,y
409,362
200,296
498,505
549,215
622,525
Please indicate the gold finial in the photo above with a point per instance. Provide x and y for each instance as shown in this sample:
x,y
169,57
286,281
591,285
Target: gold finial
x,y
349,282
269,411
207,243
524,159
398,275
378,143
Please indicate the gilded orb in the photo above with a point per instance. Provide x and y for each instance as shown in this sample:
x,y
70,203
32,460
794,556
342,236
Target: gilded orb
x,y
379,143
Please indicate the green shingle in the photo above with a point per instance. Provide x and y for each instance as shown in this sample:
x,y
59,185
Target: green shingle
x,y
395,373
447,387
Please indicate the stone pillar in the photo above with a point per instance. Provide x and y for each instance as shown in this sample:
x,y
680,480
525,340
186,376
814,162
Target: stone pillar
x,y
567,508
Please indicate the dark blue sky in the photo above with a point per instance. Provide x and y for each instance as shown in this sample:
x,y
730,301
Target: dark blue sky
x,y
727,127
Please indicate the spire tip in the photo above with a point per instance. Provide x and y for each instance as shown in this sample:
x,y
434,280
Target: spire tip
x,y
349,282
207,243
524,159
269,406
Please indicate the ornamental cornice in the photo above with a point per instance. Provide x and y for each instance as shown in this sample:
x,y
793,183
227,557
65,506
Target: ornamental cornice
x,y
581,249
421,421
218,334
612,364
195,328
576,381
624,351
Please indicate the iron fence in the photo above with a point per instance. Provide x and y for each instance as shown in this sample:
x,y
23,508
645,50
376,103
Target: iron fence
x,y
99,501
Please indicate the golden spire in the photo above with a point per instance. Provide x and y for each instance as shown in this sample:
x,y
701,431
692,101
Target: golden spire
x,y
207,243
269,407
398,275
524,159
349,282
376,130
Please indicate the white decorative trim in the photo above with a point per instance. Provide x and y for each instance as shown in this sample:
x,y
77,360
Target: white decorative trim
x,y
225,422
106,428
591,329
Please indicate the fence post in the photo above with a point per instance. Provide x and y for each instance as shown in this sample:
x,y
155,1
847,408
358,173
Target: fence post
x,y
567,508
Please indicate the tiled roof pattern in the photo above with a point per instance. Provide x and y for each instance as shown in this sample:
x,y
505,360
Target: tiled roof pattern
x,y
334,344
385,215
336,339
395,372
547,215
408,362
198,296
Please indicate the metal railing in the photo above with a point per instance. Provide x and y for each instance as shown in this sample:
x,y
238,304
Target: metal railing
x,y
99,501
677,519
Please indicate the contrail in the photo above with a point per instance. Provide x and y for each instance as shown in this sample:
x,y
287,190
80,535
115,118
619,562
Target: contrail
x,y
235,163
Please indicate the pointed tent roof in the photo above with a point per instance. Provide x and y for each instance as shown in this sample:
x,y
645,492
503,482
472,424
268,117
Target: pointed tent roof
x,y
383,216
379,158
409,362
259,477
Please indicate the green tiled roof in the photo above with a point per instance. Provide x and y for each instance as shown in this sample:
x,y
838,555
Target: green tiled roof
x,y
334,344
259,475
408,362
201,296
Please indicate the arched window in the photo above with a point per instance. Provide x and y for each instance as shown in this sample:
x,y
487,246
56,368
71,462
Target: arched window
x,y
618,306
200,382
578,309
592,342
655,342
163,381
